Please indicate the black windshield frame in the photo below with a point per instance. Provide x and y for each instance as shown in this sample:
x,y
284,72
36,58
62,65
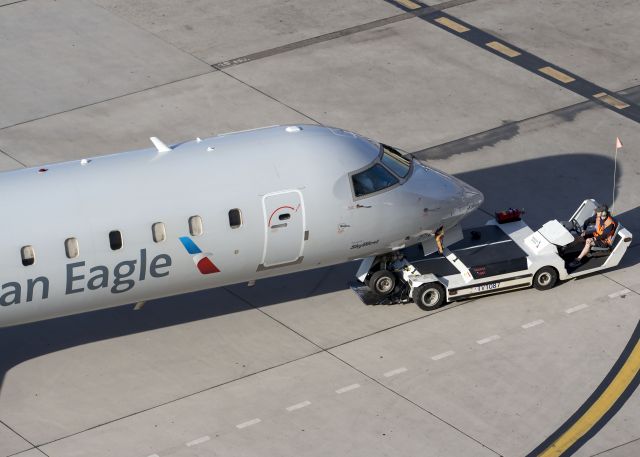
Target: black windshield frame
x,y
378,161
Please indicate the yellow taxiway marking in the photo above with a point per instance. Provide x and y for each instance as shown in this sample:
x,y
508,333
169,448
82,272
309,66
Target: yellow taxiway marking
x,y
556,74
452,24
501,48
599,408
409,4
609,100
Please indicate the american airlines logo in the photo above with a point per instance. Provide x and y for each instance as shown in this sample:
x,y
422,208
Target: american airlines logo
x,y
202,260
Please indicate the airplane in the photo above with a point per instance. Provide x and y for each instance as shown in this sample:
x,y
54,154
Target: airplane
x,y
131,227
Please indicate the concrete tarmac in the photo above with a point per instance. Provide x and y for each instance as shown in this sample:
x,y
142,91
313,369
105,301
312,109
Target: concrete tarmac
x,y
297,365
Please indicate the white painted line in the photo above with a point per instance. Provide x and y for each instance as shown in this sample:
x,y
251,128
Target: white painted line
x,y
620,293
488,339
298,406
576,308
154,455
388,374
443,355
532,324
202,439
348,388
249,423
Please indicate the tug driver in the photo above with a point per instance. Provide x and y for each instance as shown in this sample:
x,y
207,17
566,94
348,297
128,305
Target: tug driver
x,y
602,237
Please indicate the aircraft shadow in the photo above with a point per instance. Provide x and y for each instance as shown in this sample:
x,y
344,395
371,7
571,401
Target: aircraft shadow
x,y
550,187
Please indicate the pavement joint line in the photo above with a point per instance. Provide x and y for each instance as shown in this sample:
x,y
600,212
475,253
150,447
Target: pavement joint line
x,y
611,100
297,406
410,13
12,3
13,158
557,74
469,140
615,447
395,372
158,37
349,388
577,308
117,97
202,439
271,97
503,49
443,355
532,324
248,423
619,293
488,339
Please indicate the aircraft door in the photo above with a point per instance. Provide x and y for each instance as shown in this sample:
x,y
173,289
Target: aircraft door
x,y
285,228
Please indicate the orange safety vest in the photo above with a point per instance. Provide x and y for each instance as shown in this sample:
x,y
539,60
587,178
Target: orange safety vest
x,y
600,228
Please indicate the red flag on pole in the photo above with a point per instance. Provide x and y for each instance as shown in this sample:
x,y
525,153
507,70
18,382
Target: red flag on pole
x,y
618,143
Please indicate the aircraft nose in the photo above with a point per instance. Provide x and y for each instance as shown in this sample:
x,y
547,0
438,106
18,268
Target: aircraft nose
x,y
469,198
456,196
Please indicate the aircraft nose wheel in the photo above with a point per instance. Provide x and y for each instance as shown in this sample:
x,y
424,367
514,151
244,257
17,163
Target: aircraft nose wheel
x,y
382,282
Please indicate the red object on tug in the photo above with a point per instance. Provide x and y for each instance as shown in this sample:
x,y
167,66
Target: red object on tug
x,y
509,215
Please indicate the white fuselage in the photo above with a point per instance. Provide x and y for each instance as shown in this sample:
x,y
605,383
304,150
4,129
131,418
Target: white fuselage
x,y
211,212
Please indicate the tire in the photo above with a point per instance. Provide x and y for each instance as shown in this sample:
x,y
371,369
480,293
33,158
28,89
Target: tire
x,y
429,296
382,282
545,278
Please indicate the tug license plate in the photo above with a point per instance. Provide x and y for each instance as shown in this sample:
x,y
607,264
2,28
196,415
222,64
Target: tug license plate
x,y
485,287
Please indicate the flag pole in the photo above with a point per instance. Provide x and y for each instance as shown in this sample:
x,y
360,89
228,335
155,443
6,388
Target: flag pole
x,y
615,169
613,193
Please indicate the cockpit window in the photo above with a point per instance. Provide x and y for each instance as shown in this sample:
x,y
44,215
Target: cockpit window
x,y
395,161
372,180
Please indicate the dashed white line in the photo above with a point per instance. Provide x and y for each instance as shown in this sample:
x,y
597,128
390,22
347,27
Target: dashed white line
x,y
397,371
532,324
248,423
202,439
442,355
348,388
488,339
298,406
620,293
576,308
153,455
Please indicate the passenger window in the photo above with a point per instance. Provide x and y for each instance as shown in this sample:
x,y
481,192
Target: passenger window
x,y
159,232
395,161
115,240
195,226
235,218
71,248
372,180
28,256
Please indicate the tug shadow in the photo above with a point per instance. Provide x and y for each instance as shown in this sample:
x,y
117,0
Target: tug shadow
x,y
550,187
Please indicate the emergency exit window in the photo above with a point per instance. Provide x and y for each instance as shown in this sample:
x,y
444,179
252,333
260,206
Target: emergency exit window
x,y
115,240
71,248
28,256
159,232
195,226
235,218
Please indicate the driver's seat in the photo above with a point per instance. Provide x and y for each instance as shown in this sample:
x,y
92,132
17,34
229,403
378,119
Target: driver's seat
x,y
603,252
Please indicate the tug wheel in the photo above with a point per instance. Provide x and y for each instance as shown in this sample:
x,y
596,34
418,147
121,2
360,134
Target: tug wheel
x,y
429,296
545,278
382,282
